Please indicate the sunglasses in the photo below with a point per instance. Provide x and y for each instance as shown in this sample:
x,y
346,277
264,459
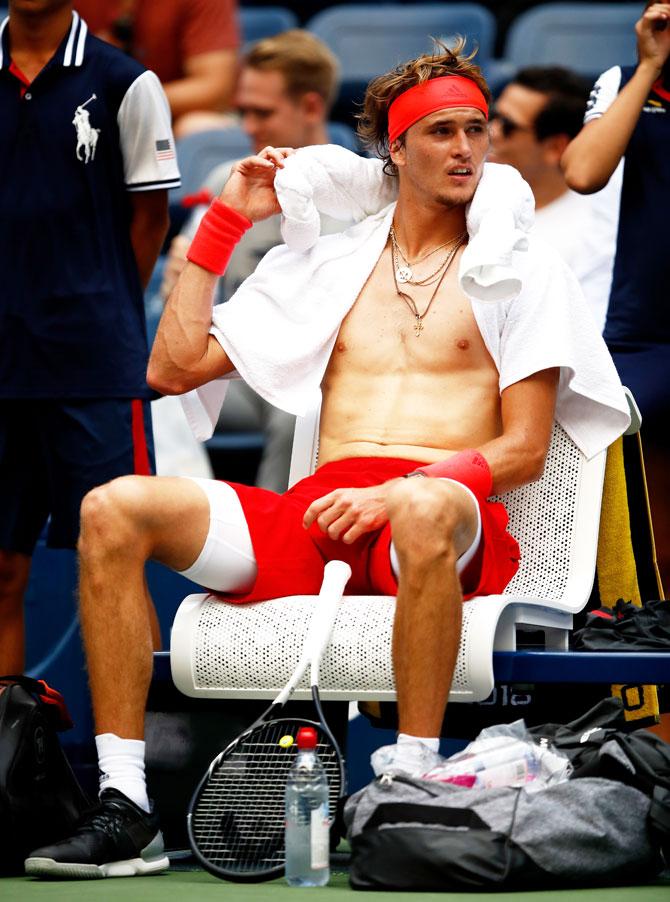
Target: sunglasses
x,y
508,126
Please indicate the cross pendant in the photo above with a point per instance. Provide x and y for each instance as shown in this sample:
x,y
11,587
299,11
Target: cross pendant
x,y
418,327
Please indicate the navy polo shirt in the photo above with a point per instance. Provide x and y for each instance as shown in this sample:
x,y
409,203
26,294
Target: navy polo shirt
x,y
93,126
639,307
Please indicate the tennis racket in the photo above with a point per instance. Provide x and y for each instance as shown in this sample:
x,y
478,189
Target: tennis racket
x,y
236,817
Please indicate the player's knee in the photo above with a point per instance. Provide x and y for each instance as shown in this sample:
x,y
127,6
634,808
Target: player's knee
x,y
109,514
423,519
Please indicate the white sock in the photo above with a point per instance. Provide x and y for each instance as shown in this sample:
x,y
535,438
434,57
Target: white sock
x,y
432,742
121,763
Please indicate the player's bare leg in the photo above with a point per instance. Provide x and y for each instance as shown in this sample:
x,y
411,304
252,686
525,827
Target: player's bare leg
x,y
433,523
123,524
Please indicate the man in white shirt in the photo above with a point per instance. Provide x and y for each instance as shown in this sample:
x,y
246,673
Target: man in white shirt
x,y
535,118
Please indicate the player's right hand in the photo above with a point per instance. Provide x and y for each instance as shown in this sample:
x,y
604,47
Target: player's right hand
x,y
653,40
250,188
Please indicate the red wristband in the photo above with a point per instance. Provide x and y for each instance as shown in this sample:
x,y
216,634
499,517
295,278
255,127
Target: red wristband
x,y
467,467
219,231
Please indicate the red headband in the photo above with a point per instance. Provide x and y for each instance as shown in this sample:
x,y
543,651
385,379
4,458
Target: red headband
x,y
430,96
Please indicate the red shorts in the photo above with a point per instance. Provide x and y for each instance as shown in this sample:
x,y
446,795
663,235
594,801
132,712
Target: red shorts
x,y
291,558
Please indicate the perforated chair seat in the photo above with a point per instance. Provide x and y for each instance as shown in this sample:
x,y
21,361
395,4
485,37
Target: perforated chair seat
x,y
225,650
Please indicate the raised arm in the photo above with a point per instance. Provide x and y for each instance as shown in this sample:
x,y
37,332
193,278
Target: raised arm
x,y
593,155
184,355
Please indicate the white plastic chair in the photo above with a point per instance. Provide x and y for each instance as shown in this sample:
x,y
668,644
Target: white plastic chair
x,y
224,650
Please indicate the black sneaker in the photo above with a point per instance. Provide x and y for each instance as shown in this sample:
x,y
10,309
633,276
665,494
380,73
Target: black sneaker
x,y
116,839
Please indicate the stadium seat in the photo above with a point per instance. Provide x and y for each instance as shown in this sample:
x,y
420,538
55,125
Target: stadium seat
x,y
265,21
370,38
586,37
222,650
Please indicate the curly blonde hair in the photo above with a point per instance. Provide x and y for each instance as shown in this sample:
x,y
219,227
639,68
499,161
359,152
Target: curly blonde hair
x,y
383,90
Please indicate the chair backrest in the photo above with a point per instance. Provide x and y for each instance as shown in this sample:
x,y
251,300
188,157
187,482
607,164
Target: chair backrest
x,y
586,37
371,38
200,152
265,21
555,520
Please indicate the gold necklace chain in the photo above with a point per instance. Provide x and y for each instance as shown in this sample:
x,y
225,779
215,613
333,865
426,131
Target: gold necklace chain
x,y
404,272
394,239
409,301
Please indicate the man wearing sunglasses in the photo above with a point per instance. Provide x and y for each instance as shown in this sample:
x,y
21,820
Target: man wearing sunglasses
x,y
535,118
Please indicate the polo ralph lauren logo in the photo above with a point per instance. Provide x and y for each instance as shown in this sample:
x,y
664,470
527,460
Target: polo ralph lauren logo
x,y
87,136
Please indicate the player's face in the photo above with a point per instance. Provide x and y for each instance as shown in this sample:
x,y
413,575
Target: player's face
x,y
269,115
513,138
443,155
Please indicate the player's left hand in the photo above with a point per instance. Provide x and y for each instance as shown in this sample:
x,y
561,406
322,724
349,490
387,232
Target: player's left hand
x,y
347,514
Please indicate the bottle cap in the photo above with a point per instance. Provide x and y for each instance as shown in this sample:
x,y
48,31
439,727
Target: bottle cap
x,y
306,738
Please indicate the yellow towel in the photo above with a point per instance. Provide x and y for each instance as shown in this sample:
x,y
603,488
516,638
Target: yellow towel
x,y
617,573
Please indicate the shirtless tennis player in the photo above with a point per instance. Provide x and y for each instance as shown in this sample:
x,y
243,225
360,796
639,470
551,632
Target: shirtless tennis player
x,y
410,388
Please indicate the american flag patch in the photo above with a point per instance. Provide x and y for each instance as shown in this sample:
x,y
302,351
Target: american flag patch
x,y
164,150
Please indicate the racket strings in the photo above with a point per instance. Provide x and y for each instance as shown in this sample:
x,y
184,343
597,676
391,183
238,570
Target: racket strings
x,y
238,819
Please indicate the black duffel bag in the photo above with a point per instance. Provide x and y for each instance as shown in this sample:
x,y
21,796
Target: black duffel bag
x,y
40,797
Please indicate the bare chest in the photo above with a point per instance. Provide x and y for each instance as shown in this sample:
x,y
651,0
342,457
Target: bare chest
x,y
428,331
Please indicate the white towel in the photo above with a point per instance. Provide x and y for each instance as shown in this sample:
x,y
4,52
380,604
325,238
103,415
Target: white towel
x,y
499,218
332,180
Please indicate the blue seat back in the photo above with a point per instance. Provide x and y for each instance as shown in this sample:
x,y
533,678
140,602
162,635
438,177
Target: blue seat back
x,y
371,38
586,37
264,22
342,134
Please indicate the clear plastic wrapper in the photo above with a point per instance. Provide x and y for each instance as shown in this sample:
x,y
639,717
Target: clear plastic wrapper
x,y
503,755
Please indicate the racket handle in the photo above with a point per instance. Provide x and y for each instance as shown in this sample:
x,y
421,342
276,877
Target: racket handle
x,y
336,575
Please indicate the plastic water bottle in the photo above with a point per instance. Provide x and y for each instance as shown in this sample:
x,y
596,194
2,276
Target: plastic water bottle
x,y
307,816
